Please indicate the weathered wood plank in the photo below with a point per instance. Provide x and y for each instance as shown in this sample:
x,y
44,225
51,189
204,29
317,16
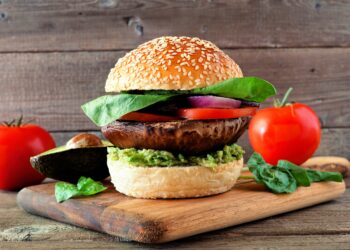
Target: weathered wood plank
x,y
334,141
307,242
111,24
50,87
316,227
152,221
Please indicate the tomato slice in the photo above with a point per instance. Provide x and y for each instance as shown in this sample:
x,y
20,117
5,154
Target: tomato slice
x,y
212,113
144,117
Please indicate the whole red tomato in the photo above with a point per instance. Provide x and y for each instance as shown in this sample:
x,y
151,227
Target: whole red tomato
x,y
290,132
17,144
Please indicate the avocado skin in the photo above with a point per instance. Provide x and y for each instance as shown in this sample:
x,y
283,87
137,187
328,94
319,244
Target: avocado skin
x,y
69,165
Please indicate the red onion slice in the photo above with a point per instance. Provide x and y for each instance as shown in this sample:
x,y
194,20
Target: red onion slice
x,y
250,104
210,101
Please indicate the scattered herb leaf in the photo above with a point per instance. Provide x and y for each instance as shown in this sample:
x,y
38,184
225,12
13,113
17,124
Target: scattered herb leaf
x,y
299,173
286,176
65,191
317,176
85,187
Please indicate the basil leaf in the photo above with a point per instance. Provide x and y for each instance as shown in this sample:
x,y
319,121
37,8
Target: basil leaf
x,y
109,108
299,173
317,176
84,187
247,88
65,191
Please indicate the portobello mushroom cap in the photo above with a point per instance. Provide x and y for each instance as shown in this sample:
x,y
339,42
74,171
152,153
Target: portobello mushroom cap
x,y
189,137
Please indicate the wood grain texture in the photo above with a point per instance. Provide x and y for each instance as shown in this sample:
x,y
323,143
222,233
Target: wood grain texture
x,y
116,24
50,87
306,242
301,229
155,221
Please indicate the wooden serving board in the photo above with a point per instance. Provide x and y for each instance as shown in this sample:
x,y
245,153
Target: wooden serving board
x,y
155,221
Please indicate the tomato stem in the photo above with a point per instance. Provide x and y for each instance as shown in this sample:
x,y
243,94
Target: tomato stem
x,y
19,122
15,122
278,103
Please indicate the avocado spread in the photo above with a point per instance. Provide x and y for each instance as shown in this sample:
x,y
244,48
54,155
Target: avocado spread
x,y
161,158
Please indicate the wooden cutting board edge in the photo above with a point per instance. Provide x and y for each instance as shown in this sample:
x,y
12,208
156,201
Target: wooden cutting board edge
x,y
166,229
149,227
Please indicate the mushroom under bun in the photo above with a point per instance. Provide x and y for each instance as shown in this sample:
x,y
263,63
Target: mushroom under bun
x,y
175,108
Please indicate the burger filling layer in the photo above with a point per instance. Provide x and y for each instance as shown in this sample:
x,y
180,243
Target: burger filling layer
x,y
232,98
162,158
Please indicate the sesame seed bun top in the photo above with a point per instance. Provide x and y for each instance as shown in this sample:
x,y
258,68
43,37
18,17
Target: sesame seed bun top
x,y
171,63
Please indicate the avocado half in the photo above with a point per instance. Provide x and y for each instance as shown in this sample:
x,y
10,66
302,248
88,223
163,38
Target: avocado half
x,y
66,164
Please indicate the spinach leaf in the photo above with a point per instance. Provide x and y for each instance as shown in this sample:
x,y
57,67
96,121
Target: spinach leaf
x,y
276,179
256,160
88,186
65,191
85,187
317,176
286,176
108,108
247,88
305,177
299,173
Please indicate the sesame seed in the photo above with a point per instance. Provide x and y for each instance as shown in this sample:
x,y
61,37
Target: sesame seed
x,y
146,63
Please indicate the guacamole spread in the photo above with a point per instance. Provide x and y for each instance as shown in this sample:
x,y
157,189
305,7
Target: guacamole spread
x,y
161,158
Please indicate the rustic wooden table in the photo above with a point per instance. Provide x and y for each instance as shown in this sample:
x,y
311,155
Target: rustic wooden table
x,y
325,226
55,56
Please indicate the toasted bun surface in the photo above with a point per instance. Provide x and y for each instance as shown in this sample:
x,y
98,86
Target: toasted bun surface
x,y
173,182
171,63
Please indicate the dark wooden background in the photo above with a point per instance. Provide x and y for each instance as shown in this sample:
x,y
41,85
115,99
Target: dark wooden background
x,y
55,55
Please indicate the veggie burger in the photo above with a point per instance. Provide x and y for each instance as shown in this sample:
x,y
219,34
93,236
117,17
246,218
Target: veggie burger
x,y
176,107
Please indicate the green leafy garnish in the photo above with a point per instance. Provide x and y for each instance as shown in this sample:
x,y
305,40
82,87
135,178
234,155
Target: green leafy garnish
x,y
246,88
316,176
162,158
286,176
85,187
107,109
277,180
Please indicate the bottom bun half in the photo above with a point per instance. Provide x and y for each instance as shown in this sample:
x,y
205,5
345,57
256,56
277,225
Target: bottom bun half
x,y
173,182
